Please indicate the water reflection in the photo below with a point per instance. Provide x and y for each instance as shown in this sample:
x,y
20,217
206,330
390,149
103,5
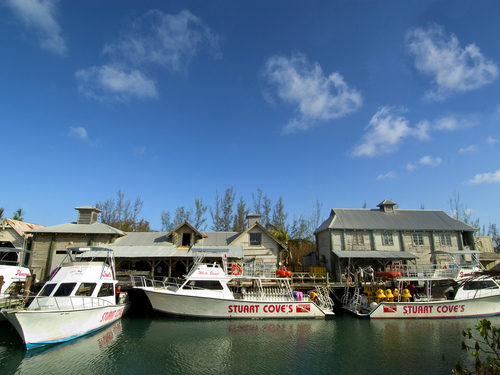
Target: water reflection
x,y
344,345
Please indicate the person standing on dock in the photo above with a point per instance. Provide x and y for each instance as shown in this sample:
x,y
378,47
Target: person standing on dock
x,y
359,276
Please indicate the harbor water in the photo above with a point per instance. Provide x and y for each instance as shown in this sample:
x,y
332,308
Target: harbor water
x,y
163,345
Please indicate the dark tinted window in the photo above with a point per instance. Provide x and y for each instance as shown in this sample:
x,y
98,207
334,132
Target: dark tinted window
x,y
204,284
477,285
47,290
64,289
85,289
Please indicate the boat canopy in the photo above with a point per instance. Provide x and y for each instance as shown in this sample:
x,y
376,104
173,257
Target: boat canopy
x,y
373,254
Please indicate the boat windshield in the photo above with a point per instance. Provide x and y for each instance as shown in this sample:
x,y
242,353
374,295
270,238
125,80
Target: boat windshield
x,y
64,290
47,290
482,284
203,284
106,290
85,289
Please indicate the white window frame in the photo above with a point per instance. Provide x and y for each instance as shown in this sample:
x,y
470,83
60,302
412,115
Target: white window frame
x,y
418,239
358,239
445,239
387,239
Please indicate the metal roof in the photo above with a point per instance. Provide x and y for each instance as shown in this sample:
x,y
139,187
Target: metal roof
x,y
411,220
235,251
371,254
143,239
96,228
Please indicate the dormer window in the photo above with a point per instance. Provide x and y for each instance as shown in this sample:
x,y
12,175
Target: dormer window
x,y
186,239
255,239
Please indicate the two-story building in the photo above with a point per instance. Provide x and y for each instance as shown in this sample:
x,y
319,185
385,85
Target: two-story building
x,y
388,236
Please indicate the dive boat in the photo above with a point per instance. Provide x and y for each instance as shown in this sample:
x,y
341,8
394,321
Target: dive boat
x,y
79,298
211,291
12,278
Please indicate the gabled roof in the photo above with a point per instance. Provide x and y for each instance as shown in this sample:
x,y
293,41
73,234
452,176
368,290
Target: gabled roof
x,y
96,228
19,226
259,225
169,234
411,220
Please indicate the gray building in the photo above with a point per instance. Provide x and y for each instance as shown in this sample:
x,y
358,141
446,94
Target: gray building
x,y
388,236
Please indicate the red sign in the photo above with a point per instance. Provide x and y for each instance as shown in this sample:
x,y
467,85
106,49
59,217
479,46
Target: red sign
x,y
303,308
390,308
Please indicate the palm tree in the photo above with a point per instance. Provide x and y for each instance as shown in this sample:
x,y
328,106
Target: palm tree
x,y
281,234
18,215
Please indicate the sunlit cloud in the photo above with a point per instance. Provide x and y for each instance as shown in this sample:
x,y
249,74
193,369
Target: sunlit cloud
x,y
40,15
388,175
466,150
165,39
486,178
453,68
452,123
79,132
492,140
315,96
386,131
411,167
113,83
428,160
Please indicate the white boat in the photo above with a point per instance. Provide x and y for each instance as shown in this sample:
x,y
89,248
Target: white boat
x,y
78,299
210,291
459,290
12,278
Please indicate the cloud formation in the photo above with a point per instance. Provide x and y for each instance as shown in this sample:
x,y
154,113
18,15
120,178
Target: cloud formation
x,y
170,41
466,150
453,68
486,178
113,83
386,131
428,160
40,16
79,132
492,140
315,96
165,39
388,175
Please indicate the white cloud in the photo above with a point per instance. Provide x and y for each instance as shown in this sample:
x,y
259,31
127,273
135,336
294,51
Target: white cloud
x,y
492,140
139,151
165,39
466,150
452,123
79,132
315,96
427,160
40,15
388,175
453,68
113,83
411,166
386,131
486,178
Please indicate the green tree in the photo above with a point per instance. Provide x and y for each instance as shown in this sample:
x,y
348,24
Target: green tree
x,y
18,215
120,213
1,212
239,224
488,344
199,220
222,214
279,219
166,223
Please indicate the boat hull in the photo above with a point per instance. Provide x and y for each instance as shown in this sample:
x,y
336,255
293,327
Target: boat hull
x,y
206,307
469,308
43,327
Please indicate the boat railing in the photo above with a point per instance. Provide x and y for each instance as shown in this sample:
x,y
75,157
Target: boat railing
x,y
172,283
68,303
431,271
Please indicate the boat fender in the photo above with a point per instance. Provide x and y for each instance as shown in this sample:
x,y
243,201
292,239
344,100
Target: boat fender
x,y
236,270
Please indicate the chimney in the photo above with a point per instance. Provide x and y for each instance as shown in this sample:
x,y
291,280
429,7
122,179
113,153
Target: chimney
x,y
253,218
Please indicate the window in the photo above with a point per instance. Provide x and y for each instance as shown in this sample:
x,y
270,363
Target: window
x,y
85,289
47,290
186,239
64,290
255,239
203,284
418,239
358,239
387,239
445,239
106,290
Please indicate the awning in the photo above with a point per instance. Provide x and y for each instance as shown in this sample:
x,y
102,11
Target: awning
x,y
371,254
459,252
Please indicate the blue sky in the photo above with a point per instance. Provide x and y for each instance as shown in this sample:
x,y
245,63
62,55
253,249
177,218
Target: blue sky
x,y
344,102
